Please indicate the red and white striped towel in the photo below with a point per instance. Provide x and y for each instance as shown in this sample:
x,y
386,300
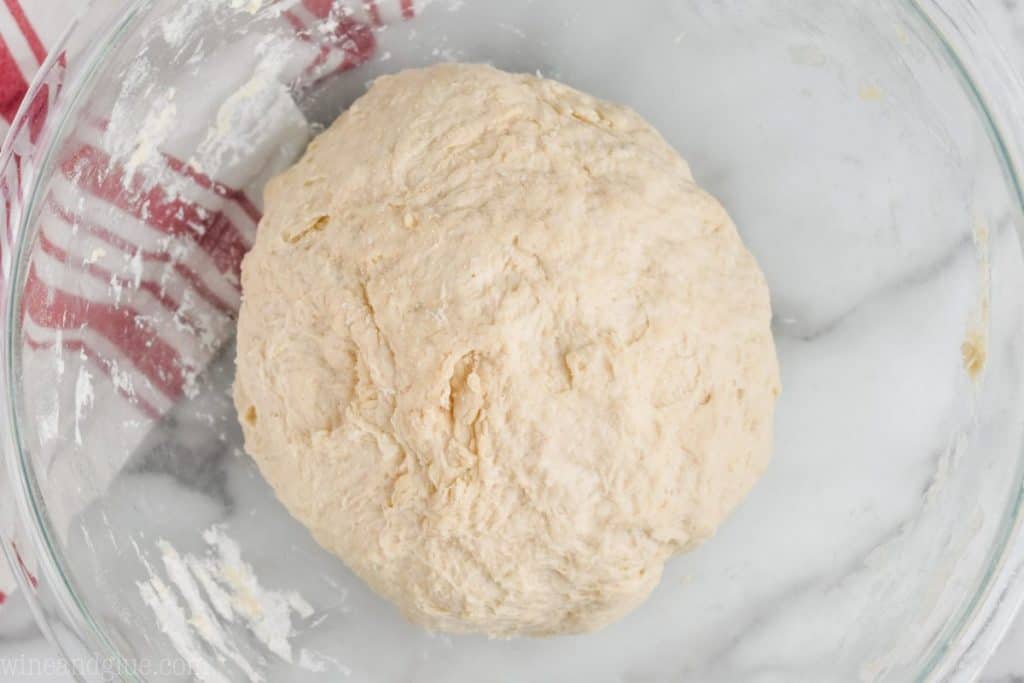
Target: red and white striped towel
x,y
133,284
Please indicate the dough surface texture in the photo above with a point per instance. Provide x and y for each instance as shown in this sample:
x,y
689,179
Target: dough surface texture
x,y
500,353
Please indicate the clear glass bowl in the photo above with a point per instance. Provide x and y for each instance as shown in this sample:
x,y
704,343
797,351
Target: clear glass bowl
x,y
867,152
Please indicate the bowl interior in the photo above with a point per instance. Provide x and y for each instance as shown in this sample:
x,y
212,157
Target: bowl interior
x,y
860,171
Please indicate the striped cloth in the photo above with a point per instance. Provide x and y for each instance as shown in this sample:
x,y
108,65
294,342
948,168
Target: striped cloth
x,y
133,285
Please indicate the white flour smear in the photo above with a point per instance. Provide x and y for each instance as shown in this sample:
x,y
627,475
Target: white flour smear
x,y
201,600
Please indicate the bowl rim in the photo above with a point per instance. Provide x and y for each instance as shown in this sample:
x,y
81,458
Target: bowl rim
x,y
997,92
988,80
32,516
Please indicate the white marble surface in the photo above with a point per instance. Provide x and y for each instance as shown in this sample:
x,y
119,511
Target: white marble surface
x,y
21,647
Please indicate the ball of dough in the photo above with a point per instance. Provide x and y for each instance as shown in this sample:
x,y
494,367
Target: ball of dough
x,y
499,352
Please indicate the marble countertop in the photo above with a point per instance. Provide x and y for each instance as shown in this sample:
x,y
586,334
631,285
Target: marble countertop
x,y
25,655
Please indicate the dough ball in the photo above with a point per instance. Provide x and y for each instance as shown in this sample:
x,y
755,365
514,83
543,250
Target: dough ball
x,y
500,353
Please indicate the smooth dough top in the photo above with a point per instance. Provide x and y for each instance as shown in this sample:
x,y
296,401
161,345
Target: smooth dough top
x,y
500,353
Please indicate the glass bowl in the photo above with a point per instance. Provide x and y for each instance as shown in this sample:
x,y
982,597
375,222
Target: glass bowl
x,y
866,151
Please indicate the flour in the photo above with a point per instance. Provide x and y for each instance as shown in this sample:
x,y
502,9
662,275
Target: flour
x,y
205,602
248,115
218,597
58,344
121,378
316,662
175,625
158,124
201,618
267,613
116,289
250,6
84,397
135,268
177,26
49,423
